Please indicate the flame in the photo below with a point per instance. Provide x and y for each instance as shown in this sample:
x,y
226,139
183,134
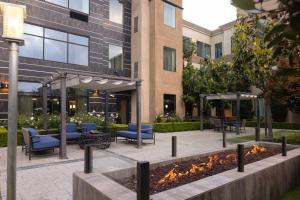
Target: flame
x,y
213,160
255,150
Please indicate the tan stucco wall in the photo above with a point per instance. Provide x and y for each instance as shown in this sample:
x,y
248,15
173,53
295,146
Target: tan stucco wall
x,y
147,49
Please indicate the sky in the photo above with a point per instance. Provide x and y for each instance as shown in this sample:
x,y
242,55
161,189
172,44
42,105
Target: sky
x,y
209,14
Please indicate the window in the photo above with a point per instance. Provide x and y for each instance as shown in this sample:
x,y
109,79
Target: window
x,y
115,57
52,45
169,104
30,97
203,50
136,24
136,70
169,15
78,5
169,59
218,50
116,11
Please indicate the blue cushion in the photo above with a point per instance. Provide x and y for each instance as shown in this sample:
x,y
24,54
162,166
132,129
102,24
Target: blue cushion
x,y
46,142
36,138
73,135
133,135
87,127
33,132
147,126
132,127
71,127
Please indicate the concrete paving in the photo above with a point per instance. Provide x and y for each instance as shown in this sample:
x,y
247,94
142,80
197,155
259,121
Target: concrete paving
x,y
46,177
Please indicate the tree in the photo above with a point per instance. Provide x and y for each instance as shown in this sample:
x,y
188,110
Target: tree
x,y
252,61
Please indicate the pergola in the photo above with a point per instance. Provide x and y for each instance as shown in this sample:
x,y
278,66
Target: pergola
x,y
92,81
238,97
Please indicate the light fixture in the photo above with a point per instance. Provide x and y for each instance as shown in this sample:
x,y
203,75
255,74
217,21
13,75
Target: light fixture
x,y
130,83
117,83
102,82
112,96
13,21
86,80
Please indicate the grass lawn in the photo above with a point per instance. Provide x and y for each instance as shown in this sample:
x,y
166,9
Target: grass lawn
x,y
292,195
293,137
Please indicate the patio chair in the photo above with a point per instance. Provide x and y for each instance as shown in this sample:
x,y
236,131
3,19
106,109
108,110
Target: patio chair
x,y
217,124
36,142
241,125
72,132
87,127
211,122
131,134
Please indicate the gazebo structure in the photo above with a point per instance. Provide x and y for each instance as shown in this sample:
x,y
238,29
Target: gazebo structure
x,y
93,81
238,97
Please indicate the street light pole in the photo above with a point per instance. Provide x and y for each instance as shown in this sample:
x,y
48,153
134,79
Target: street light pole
x,y
12,120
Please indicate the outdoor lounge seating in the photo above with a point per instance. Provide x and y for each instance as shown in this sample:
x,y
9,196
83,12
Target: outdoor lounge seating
x,y
72,132
87,127
131,134
36,142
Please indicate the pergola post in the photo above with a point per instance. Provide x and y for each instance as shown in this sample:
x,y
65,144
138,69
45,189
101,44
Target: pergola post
x,y
238,107
63,115
201,111
106,110
222,123
257,132
45,106
138,113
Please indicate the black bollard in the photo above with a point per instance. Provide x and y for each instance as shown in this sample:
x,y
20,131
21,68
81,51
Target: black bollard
x,y
88,159
224,138
174,146
284,151
143,181
240,157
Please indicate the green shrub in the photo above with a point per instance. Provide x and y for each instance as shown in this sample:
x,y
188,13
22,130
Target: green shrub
x,y
178,126
3,137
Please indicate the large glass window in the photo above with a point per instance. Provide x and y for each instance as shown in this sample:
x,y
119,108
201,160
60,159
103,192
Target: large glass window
x,y
169,59
116,11
30,99
52,45
218,50
203,50
169,104
115,57
79,5
169,15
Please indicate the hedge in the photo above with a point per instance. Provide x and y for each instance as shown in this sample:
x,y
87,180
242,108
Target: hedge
x,y
277,125
178,126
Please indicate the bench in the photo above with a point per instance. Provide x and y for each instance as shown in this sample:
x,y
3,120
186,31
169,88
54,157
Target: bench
x,y
131,134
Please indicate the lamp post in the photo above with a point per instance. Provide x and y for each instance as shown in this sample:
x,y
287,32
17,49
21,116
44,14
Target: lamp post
x,y
13,22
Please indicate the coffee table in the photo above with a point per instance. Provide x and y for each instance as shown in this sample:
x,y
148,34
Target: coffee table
x,y
96,139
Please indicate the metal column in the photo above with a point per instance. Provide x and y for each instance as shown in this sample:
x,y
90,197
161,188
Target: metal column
x,y
12,120
106,110
222,123
238,107
45,107
201,111
257,132
138,113
63,116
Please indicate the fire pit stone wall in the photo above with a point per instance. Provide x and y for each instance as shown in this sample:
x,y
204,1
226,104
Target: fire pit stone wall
x,y
267,179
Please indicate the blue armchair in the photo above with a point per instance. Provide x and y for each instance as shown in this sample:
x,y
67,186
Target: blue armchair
x,y
87,127
72,132
36,142
131,134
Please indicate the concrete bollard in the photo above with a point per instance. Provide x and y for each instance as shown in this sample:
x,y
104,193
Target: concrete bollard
x,y
174,146
240,157
283,141
88,159
143,180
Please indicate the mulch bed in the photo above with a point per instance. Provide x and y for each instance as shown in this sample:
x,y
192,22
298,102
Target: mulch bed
x,y
226,161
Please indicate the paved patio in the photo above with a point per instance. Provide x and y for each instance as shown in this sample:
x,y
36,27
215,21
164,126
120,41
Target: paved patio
x,y
49,178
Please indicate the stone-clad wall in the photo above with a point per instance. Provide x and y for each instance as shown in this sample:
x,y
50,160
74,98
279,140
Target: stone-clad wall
x,y
99,29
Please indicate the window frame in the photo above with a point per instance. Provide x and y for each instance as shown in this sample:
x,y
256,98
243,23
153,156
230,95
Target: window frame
x,y
175,61
123,60
203,49
109,12
71,9
67,42
175,12
217,46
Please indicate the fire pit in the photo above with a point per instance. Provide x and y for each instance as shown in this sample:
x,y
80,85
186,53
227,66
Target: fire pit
x,y
267,175
180,173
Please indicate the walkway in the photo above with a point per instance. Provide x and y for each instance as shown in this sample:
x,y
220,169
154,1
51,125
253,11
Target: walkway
x,y
49,178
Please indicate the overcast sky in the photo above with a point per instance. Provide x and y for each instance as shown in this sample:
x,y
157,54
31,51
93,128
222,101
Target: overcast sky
x,y
209,14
